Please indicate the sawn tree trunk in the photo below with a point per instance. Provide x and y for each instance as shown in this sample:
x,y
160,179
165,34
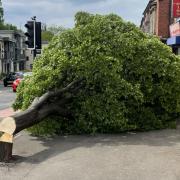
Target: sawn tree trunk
x,y
49,103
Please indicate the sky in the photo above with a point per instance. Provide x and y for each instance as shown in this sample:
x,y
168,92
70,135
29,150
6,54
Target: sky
x,y
61,12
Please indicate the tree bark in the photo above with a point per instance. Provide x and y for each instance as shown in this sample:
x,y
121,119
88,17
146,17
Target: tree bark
x,y
49,103
5,151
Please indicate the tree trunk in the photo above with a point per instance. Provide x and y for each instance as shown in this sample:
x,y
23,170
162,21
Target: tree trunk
x,y
5,151
6,147
47,104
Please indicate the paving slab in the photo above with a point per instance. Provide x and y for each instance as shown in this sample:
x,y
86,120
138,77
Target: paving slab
x,y
6,112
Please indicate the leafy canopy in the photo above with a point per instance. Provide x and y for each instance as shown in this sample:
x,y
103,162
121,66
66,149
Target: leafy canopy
x,y
132,79
49,32
3,25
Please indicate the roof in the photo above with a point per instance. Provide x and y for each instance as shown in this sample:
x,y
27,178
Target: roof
x,y
149,5
16,32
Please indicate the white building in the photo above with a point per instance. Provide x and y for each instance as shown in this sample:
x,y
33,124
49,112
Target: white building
x,y
12,55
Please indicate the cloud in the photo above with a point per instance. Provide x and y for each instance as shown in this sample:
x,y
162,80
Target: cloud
x,y
61,12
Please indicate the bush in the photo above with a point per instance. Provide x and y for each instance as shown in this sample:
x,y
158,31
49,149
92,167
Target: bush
x,y
132,79
2,75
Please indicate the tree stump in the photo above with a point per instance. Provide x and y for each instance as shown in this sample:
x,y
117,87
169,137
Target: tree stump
x,y
6,146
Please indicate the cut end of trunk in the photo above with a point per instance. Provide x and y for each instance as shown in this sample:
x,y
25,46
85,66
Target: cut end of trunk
x,y
8,125
6,138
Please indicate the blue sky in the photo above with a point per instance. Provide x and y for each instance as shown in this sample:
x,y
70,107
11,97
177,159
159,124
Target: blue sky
x,y
61,12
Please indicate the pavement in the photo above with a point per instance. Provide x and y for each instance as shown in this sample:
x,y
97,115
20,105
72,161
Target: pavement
x,y
6,112
151,155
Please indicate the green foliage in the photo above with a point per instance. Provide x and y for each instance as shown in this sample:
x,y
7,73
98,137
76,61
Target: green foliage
x,y
55,29
132,79
1,13
47,35
51,31
4,26
2,75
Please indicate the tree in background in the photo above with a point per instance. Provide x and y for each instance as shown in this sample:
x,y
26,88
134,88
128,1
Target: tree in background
x,y
1,13
3,25
49,32
55,29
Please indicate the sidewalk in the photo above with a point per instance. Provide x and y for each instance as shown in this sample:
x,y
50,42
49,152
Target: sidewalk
x,y
130,156
6,112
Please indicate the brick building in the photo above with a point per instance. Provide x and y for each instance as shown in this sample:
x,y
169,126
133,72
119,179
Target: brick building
x,y
162,18
157,18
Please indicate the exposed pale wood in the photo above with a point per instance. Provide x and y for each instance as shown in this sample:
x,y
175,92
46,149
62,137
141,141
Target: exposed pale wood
x,y
8,125
6,138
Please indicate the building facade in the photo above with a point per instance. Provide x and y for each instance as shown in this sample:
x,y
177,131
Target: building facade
x,y
29,59
12,52
162,18
30,55
157,18
1,54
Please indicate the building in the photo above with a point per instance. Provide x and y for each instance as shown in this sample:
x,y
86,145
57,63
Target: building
x,y
12,54
30,55
1,54
157,18
148,22
29,59
162,18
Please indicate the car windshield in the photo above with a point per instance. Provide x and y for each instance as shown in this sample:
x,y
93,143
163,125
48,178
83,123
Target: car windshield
x,y
18,75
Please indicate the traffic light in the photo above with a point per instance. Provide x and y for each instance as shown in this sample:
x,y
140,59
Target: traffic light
x,y
31,37
38,35
30,34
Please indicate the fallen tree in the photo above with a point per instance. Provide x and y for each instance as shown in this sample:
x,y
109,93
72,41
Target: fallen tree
x,y
104,76
49,103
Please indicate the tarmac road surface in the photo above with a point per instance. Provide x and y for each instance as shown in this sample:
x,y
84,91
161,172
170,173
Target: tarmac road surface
x,y
7,96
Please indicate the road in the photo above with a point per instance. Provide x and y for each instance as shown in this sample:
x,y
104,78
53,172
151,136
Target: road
x,y
7,96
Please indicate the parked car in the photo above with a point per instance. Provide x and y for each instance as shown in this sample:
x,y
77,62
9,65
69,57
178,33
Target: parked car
x,y
8,80
18,80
